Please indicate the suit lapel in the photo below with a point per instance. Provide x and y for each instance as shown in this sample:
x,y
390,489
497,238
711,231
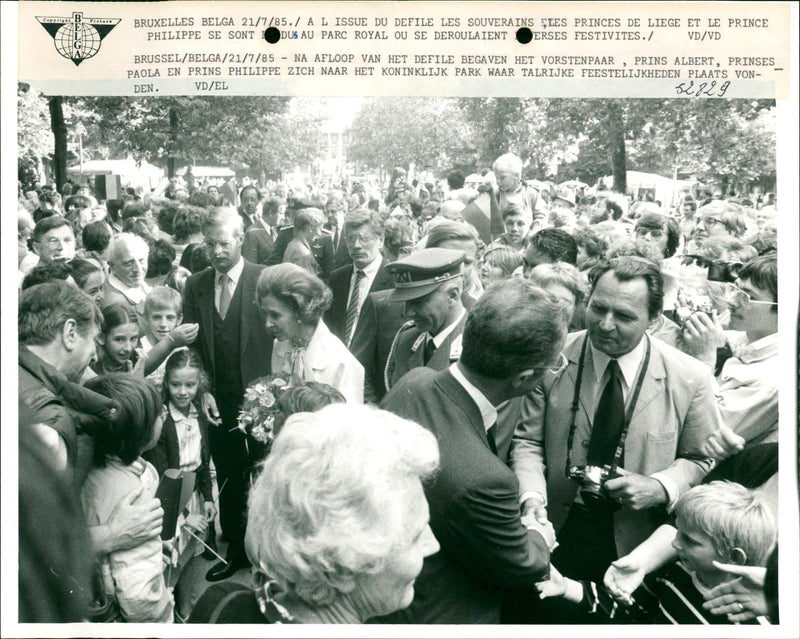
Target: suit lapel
x,y
652,384
573,354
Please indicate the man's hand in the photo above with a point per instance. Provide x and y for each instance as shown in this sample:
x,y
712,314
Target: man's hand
x,y
742,598
722,444
209,407
534,506
623,577
132,524
702,335
184,334
555,586
636,492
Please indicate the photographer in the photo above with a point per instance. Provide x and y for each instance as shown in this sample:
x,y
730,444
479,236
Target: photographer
x,y
632,443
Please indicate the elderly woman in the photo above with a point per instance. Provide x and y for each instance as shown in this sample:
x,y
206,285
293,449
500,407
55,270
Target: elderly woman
x,y
293,302
337,521
307,227
718,218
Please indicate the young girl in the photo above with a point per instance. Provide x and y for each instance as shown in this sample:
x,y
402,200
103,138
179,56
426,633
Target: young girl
x,y
184,445
119,342
133,577
89,277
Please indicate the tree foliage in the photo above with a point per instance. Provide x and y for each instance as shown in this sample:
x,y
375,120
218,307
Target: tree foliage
x,y
429,132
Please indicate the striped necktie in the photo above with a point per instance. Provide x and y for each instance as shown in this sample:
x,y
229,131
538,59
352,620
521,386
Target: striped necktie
x,y
352,307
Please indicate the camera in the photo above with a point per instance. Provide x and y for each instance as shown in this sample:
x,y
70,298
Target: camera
x,y
694,304
592,481
724,271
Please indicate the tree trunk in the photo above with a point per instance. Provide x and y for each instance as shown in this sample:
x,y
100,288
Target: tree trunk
x,y
173,139
616,136
59,128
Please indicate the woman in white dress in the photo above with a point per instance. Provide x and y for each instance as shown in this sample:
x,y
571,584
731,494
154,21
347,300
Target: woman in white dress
x,y
293,301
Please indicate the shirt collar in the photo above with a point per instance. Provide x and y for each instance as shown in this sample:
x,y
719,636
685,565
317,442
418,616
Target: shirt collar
x,y
234,273
628,363
759,350
178,416
439,338
488,412
371,269
134,293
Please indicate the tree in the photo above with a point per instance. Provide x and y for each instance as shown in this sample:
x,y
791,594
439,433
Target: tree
x,y
59,128
429,132
233,131
34,137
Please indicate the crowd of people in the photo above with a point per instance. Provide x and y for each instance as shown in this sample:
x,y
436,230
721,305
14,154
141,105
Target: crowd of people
x,y
434,402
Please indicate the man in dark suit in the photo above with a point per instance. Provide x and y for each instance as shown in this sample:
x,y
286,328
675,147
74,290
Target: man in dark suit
x,y
259,239
378,323
514,333
235,348
249,197
430,283
335,210
350,284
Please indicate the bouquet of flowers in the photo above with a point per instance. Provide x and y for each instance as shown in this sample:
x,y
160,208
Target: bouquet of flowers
x,y
260,409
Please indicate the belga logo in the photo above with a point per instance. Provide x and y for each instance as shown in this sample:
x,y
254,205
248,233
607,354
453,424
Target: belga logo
x,y
78,38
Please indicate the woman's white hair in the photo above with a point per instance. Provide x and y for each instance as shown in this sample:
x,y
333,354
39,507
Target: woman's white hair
x,y
327,506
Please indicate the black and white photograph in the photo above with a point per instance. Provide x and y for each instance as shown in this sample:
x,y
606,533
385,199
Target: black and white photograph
x,y
412,359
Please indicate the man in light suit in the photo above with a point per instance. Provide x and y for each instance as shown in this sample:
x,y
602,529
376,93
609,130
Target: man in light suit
x,y
664,413
513,335
430,283
352,283
236,348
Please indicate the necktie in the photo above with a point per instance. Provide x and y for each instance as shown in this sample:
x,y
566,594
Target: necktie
x,y
429,348
352,307
490,438
224,294
608,420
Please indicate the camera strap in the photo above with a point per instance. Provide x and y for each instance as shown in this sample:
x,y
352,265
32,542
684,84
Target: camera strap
x,y
628,413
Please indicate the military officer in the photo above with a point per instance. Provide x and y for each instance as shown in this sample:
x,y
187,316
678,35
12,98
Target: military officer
x,y
430,283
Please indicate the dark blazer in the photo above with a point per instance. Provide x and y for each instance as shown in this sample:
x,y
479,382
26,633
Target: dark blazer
x,y
474,507
322,248
167,453
409,352
372,340
258,244
340,286
255,339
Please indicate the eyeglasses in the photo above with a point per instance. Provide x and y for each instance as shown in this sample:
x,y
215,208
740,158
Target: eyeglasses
x,y
711,221
656,234
738,297
55,242
556,368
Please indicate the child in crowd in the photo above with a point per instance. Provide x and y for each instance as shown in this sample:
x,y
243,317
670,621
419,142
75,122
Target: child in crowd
x,y
517,221
89,277
183,445
716,523
163,331
134,577
118,342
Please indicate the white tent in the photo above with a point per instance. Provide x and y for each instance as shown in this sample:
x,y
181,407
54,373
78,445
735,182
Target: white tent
x,y
664,189
130,172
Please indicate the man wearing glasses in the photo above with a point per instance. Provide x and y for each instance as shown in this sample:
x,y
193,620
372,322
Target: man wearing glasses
x,y
747,386
54,240
627,405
